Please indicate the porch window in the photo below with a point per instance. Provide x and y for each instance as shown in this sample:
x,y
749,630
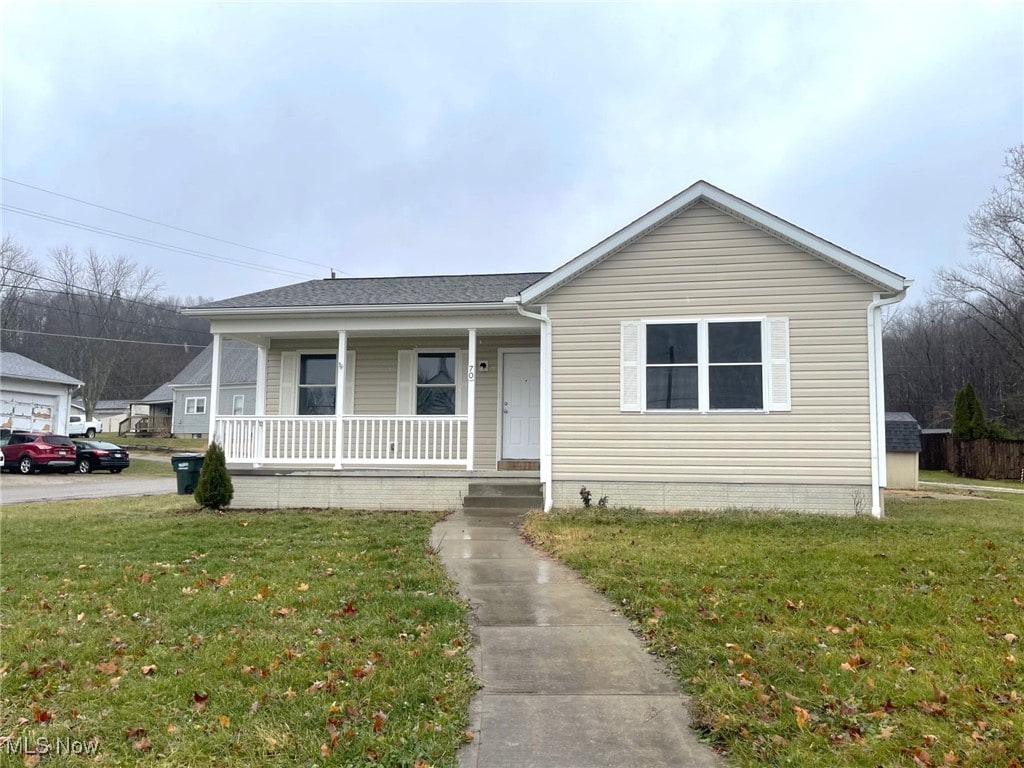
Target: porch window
x,y
317,384
195,405
435,384
238,405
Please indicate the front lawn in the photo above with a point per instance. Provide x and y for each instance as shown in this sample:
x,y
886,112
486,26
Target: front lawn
x,y
158,635
817,641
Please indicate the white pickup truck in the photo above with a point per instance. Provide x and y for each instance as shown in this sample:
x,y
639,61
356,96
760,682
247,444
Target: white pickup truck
x,y
78,426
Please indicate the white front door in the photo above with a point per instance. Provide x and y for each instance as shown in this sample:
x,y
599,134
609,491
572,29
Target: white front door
x,y
520,409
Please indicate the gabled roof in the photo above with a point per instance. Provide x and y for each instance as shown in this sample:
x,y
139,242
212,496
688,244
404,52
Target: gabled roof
x,y
15,366
237,366
707,193
353,292
162,394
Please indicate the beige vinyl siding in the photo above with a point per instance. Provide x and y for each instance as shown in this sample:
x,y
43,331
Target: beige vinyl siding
x,y
376,376
704,263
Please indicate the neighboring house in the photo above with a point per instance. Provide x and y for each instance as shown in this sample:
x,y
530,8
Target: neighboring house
x,y
708,355
902,449
34,396
151,415
184,403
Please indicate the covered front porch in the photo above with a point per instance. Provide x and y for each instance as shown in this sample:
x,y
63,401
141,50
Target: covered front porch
x,y
442,396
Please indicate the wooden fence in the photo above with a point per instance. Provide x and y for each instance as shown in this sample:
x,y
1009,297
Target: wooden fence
x,y
983,459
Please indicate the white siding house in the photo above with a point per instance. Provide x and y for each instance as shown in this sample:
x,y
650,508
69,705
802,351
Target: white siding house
x,y
34,396
708,355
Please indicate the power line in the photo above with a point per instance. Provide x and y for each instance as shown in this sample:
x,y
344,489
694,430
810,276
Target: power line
x,y
104,317
70,286
180,344
151,243
162,224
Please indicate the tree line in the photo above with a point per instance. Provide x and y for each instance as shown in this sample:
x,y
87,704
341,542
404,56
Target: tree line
x,y
98,318
970,328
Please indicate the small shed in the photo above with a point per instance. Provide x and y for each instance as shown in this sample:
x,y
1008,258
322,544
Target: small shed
x,y
902,446
34,396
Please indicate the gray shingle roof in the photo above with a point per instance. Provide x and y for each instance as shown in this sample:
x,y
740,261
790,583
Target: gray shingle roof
x,y
902,433
20,367
383,291
237,366
162,394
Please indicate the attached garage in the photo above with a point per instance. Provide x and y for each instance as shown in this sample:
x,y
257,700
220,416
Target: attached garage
x,y
34,396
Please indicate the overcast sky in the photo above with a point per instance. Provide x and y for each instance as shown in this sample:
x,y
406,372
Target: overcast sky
x,y
386,139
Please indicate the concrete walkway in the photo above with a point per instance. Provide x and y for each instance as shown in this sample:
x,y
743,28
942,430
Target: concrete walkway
x,y
965,487
566,684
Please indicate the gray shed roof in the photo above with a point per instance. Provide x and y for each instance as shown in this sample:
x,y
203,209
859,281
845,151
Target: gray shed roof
x,y
902,433
383,291
20,367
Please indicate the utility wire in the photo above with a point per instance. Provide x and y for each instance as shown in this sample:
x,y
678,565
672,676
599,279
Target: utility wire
x,y
180,344
162,224
151,243
68,287
134,323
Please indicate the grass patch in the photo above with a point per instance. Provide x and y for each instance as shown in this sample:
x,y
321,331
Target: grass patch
x,y
941,476
149,468
166,636
162,444
809,640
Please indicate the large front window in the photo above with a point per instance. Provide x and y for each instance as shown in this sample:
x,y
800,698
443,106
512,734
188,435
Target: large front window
x,y
435,384
704,365
317,384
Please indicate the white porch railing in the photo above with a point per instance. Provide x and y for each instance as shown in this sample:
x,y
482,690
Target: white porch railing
x,y
365,440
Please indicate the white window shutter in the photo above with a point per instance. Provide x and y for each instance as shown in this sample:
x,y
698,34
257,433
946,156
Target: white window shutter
x,y
461,383
629,377
779,398
289,398
405,404
349,406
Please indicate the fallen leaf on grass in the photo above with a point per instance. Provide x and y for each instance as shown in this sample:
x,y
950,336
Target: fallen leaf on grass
x,y
225,721
142,745
145,578
922,757
349,609
379,718
199,701
803,717
302,587
149,669
107,667
1010,638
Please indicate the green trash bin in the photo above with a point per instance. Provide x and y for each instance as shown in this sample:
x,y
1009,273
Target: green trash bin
x,y
187,467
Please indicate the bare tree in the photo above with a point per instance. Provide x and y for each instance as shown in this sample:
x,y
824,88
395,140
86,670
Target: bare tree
x,y
103,300
990,288
18,275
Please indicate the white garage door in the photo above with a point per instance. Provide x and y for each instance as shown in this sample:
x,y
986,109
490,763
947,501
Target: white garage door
x,y
23,410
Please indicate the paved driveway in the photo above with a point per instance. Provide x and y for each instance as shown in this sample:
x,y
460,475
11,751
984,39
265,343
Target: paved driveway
x,y
16,489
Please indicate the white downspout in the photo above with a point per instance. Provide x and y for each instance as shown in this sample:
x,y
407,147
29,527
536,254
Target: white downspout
x,y
876,396
545,399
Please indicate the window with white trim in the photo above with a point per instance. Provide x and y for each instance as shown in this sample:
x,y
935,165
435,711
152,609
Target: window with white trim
x,y
195,406
317,384
705,364
435,384
238,405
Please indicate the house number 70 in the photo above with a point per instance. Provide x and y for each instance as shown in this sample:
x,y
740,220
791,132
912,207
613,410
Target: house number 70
x,y
471,372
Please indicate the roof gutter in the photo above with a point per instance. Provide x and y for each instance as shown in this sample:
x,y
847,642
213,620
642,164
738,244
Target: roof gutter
x,y
876,394
352,308
545,397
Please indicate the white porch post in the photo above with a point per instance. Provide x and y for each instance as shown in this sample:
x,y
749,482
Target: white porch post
x,y
339,398
545,408
261,381
214,386
470,399
261,404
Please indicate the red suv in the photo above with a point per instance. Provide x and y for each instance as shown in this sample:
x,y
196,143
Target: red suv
x,y
26,452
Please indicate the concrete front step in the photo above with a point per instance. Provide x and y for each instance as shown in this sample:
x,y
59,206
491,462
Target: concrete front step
x,y
506,489
502,502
